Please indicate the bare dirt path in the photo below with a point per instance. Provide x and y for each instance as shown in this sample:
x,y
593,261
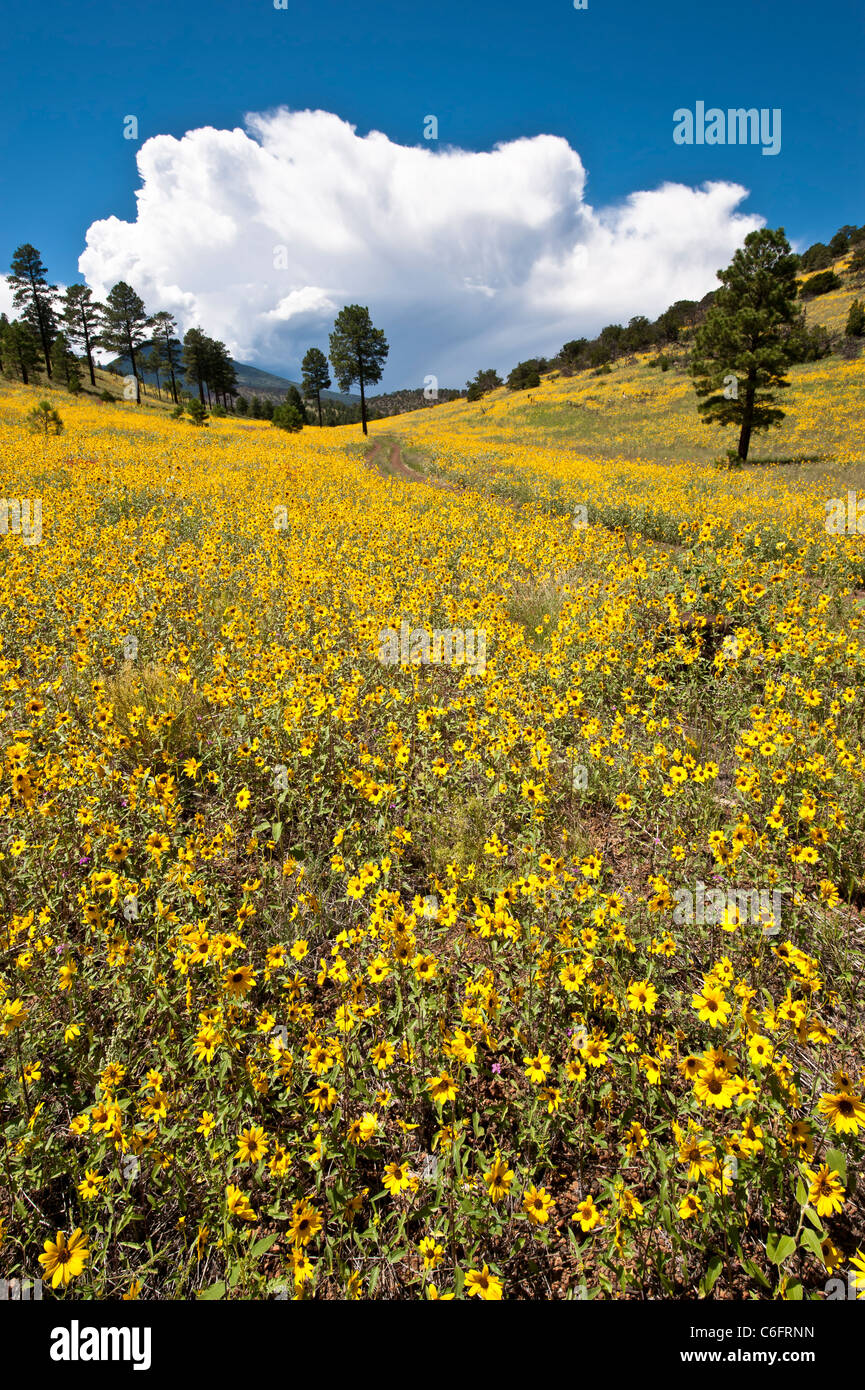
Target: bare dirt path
x,y
395,466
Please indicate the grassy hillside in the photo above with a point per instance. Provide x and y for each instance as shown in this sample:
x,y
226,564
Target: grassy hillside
x,y
639,412
523,962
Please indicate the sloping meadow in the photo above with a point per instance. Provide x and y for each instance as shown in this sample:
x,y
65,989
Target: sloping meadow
x,y
409,892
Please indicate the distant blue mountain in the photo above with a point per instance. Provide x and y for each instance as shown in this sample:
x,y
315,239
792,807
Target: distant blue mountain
x,y
251,381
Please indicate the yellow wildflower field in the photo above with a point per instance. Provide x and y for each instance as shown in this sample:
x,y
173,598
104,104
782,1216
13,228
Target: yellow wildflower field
x,y
437,887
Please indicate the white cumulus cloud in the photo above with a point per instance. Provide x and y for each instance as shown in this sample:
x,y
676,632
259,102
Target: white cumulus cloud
x,y
465,259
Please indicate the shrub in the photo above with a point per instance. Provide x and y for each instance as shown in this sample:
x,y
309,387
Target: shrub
x,y
43,419
287,417
817,257
804,344
856,320
821,283
524,376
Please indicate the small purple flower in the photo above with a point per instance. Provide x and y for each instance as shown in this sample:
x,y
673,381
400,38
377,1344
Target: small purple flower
x,y
497,1066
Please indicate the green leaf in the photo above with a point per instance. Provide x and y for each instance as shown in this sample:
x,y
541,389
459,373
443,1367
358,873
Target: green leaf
x,y
276,831
837,1161
710,1278
779,1248
264,1244
794,1290
215,1291
815,1220
756,1273
809,1240
801,1193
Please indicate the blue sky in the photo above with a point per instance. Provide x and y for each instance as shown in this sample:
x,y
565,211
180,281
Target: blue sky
x,y
607,79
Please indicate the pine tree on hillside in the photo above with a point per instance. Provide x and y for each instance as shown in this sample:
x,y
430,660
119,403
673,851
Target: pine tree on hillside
x,y
64,364
288,417
357,352
34,296
485,380
294,398
125,327
316,377
165,333
221,375
153,363
195,359
739,358
82,321
524,376
21,354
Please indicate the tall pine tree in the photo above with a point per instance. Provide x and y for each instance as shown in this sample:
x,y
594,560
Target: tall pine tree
x,y
64,364
20,348
34,296
357,351
165,332
221,375
82,320
740,355
196,355
316,377
125,328
154,363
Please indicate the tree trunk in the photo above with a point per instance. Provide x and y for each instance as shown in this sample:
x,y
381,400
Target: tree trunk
x,y
747,420
46,341
318,398
362,399
135,373
88,350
